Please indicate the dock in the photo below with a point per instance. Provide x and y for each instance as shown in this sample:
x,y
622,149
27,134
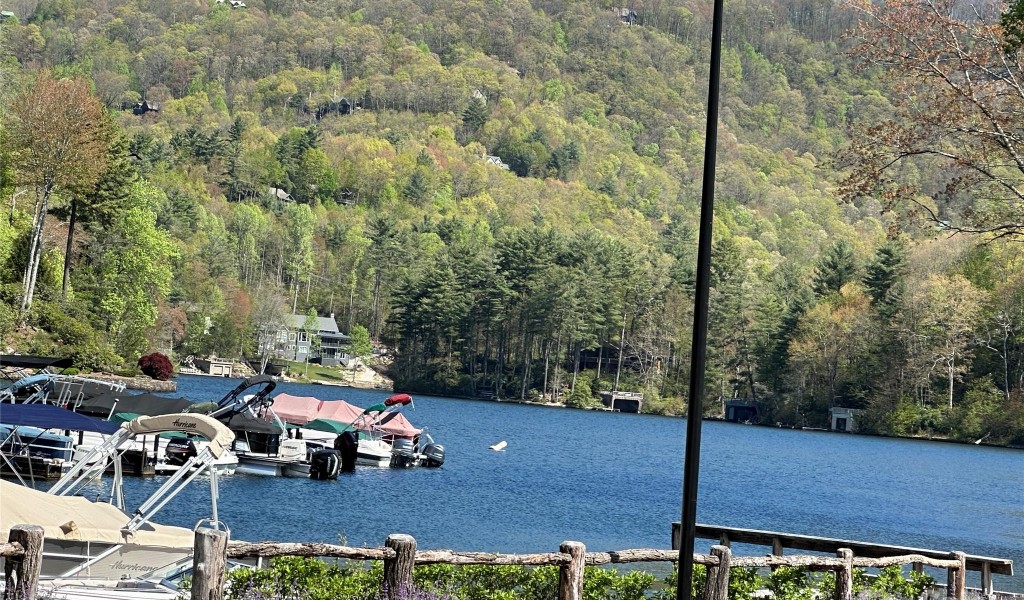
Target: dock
x,y
778,541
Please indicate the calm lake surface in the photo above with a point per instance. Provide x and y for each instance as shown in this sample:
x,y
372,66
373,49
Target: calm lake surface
x,y
614,481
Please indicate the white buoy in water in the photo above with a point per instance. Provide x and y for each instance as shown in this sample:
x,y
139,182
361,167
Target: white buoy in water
x,y
499,446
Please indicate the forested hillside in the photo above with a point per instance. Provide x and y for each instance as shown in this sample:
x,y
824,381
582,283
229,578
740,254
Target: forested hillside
x,y
505,194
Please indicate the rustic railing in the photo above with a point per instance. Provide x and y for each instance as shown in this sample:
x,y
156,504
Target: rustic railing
x,y
778,541
23,556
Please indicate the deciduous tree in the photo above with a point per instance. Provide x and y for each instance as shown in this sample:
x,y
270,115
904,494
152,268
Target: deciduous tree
x,y
58,143
958,100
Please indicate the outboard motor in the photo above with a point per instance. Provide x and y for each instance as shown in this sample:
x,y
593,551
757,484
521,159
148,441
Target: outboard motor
x,y
403,453
324,464
179,451
434,455
347,444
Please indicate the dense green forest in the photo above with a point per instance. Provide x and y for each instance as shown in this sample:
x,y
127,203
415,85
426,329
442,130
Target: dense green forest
x,y
505,194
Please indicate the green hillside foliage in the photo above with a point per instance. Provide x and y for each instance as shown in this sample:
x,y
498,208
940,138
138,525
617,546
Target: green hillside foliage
x,y
572,265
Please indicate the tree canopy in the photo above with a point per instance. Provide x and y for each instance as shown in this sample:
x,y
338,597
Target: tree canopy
x,y
504,195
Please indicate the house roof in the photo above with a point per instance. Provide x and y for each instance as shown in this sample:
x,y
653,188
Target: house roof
x,y
323,324
279,193
496,160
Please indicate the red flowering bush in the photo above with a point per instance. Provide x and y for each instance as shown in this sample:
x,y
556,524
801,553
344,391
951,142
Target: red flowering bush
x,y
157,366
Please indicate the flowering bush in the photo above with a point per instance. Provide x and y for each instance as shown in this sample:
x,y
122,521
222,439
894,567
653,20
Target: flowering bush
x,y
157,366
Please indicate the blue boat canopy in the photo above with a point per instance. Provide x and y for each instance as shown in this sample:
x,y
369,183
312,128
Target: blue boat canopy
x,y
48,416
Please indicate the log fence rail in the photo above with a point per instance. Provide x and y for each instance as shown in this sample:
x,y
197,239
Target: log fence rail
x,y
23,554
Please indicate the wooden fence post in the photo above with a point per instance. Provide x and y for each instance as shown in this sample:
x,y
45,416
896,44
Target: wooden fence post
x,y
844,575
570,576
717,585
398,570
21,574
209,563
956,577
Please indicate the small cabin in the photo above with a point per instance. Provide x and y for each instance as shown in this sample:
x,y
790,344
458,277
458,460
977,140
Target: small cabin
x,y
141,108
627,402
844,419
279,194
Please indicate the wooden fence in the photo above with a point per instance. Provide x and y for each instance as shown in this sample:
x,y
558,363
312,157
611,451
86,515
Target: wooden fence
x,y
212,549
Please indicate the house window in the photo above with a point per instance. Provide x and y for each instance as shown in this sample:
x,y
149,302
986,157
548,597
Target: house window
x,y
302,336
291,336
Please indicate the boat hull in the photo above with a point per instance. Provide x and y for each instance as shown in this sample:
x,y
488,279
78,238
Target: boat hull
x,y
267,466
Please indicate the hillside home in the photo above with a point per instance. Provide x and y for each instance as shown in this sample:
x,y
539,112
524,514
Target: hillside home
x,y
279,194
293,342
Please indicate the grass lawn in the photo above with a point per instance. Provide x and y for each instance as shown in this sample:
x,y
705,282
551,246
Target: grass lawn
x,y
298,370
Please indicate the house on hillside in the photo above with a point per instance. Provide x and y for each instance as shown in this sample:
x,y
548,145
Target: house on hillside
x,y
141,108
496,161
293,342
628,16
279,194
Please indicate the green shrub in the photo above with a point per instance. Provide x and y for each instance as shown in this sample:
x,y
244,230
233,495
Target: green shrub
x,y
790,583
582,396
891,583
312,579
8,319
305,578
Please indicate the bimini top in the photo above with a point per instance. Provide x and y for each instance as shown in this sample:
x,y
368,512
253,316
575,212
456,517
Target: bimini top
x,y
220,436
77,518
49,416
102,403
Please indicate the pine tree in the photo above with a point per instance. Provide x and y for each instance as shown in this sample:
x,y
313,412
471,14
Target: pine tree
x,y
883,277
475,115
836,269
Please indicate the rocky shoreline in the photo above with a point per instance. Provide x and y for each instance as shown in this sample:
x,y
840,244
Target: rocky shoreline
x,y
143,383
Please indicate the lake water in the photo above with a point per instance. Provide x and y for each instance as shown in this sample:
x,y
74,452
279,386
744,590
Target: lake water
x,y
614,481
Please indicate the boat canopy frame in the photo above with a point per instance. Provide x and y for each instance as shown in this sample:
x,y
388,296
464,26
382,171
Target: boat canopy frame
x,y
95,463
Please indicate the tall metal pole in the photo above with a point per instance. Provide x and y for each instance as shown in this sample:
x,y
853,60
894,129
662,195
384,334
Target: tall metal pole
x,y
698,360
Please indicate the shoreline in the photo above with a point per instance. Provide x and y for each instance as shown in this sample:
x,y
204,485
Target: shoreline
x,y
722,420
380,382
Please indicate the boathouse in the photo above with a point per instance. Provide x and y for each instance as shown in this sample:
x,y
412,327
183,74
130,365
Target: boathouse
x,y
844,419
628,402
740,411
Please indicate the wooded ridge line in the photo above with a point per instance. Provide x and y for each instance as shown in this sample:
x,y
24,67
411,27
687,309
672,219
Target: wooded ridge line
x,y
501,199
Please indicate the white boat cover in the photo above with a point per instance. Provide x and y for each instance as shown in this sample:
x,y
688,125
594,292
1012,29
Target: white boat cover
x,y
219,435
77,518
